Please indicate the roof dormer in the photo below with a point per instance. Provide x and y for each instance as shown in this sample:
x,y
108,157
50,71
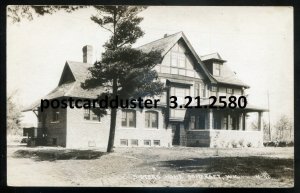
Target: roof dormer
x,y
214,63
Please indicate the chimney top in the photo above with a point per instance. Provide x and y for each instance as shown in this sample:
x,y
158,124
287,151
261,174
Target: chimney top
x,y
165,35
87,51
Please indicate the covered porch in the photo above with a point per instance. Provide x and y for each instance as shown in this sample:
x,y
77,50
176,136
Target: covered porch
x,y
224,127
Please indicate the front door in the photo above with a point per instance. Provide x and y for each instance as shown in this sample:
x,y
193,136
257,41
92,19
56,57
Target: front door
x,y
176,134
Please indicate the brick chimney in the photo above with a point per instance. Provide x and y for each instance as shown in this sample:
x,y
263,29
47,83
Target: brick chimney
x,y
87,54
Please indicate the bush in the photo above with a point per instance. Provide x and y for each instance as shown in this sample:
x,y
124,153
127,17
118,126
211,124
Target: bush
x,y
241,142
282,144
234,144
279,144
290,144
249,144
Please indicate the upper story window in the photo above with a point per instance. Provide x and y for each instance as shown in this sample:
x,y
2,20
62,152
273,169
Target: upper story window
x,y
177,59
217,71
213,91
229,91
55,115
128,118
90,115
180,93
200,90
151,119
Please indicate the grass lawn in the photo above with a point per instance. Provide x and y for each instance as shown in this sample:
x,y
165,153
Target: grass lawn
x,y
177,166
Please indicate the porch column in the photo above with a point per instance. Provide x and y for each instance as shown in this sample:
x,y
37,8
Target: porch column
x,y
210,119
182,135
228,121
259,124
244,121
240,122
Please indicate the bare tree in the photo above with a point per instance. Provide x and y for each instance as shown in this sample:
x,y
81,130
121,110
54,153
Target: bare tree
x,y
13,115
284,129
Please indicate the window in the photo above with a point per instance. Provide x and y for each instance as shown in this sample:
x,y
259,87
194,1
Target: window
x,y
192,122
178,60
55,115
156,142
181,60
180,93
174,59
128,118
151,119
213,91
134,142
147,142
229,91
124,142
90,115
198,121
217,70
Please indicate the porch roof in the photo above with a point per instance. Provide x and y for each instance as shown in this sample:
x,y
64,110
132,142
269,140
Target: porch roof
x,y
248,108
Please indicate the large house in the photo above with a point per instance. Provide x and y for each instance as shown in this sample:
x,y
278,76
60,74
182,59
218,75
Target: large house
x,y
184,73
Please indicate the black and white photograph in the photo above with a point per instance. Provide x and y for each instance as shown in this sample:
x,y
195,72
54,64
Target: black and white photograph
x,y
150,96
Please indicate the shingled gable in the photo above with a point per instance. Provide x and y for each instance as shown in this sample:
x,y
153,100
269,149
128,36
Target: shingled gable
x,y
165,44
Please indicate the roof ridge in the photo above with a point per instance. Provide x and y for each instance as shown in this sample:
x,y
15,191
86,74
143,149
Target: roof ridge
x,y
161,39
210,54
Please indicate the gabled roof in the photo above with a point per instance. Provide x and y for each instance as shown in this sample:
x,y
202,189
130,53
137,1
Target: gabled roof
x,y
165,44
79,71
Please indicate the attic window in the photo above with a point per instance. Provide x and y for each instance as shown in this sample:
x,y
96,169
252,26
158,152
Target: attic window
x,y
217,69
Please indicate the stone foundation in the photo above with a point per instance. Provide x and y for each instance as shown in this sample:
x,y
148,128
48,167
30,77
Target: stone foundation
x,y
224,138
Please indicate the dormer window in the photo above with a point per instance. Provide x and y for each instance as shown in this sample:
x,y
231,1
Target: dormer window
x,y
217,71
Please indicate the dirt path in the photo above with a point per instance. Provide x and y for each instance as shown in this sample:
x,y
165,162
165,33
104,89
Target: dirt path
x,y
200,167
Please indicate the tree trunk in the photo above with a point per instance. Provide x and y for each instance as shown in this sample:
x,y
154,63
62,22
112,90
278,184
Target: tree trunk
x,y
113,118
113,114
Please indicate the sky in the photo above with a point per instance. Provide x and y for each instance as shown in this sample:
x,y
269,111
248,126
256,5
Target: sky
x,y
257,43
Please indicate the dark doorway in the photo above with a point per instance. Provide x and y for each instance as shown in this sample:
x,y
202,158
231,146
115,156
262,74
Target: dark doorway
x,y
54,141
176,134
